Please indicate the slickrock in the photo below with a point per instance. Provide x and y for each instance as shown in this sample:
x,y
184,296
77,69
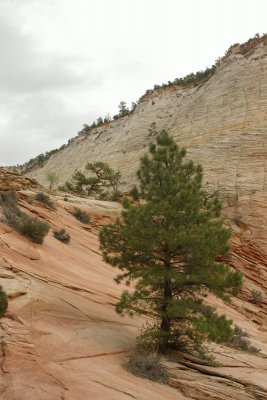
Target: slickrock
x,y
222,123
61,338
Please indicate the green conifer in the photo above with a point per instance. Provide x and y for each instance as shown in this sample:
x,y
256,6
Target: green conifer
x,y
3,302
169,244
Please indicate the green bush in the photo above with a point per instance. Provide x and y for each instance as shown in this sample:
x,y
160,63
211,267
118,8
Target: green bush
x,y
3,302
67,187
256,296
45,199
82,216
147,366
33,228
62,235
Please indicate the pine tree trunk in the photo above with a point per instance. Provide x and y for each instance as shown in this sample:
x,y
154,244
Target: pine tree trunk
x,y
165,325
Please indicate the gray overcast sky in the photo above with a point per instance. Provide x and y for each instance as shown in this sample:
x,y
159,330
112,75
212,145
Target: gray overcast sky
x,y
66,62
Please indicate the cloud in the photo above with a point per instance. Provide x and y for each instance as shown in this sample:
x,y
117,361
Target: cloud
x,y
23,69
36,88
37,124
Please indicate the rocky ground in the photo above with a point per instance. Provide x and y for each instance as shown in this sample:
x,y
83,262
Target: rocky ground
x,y
61,338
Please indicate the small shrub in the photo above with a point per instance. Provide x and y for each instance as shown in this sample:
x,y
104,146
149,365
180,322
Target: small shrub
x,y
27,226
33,228
239,341
82,216
8,198
62,235
65,199
12,215
103,195
11,212
148,366
3,302
45,199
237,219
109,196
205,354
239,331
256,296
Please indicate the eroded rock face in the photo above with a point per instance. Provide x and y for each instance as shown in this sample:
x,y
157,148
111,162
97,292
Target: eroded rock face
x,y
13,181
222,123
61,338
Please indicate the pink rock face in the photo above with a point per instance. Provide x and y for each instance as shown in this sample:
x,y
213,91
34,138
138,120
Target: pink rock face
x,y
61,338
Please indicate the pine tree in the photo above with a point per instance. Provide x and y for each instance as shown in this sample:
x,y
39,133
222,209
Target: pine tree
x,y
105,178
3,302
123,109
168,244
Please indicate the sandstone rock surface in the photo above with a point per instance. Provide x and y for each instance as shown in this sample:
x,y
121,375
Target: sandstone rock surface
x,y
61,338
222,123
14,181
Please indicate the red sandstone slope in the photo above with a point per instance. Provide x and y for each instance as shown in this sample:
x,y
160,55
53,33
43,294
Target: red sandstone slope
x,y
62,339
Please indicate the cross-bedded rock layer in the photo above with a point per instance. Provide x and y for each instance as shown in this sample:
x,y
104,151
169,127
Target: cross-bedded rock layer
x,y
61,338
222,123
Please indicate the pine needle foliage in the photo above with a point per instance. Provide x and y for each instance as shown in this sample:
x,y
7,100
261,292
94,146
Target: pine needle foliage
x,y
167,244
3,302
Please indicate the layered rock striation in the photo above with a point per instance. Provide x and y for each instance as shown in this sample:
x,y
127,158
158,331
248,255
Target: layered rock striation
x,y
61,338
13,181
222,124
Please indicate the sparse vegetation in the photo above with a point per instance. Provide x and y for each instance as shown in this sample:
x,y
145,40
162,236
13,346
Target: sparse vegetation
x,y
82,216
147,366
3,302
37,162
62,235
239,341
31,227
166,244
45,199
256,296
